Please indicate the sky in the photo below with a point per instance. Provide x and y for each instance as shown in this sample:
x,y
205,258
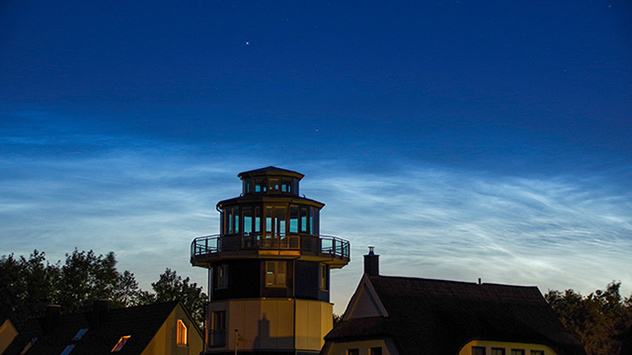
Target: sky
x,y
463,139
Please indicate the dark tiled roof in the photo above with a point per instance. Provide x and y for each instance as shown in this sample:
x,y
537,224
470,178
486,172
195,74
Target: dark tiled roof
x,y
440,317
141,323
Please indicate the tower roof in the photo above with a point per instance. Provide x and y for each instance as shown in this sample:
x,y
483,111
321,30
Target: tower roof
x,y
268,171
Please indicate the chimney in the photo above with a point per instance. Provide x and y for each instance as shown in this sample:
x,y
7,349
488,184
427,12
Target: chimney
x,y
52,315
99,312
372,263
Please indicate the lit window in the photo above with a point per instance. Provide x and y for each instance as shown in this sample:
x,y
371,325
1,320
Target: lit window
x,y
275,273
181,333
517,352
28,346
478,350
375,351
120,344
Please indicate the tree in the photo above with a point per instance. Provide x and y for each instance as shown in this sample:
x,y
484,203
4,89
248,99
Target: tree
x,y
597,320
27,286
171,287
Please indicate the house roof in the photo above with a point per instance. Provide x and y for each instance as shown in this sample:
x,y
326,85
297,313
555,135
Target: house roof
x,y
440,317
140,323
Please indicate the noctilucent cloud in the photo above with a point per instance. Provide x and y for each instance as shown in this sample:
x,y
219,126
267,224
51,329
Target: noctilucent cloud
x,y
462,139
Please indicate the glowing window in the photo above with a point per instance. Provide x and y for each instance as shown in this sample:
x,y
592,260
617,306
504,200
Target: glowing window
x,y
275,273
28,346
119,346
181,333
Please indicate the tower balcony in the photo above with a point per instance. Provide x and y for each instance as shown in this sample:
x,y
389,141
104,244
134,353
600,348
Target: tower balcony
x,y
330,250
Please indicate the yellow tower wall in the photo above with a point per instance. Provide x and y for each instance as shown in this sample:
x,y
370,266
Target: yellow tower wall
x,y
275,323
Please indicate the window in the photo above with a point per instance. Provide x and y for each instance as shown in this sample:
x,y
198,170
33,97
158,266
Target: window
x,y
323,277
217,335
119,346
222,276
537,352
375,351
276,273
80,334
68,349
353,351
517,351
498,351
293,219
28,346
247,217
181,333
478,350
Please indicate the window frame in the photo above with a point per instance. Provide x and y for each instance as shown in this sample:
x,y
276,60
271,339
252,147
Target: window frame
x,y
323,277
222,276
182,333
120,343
276,272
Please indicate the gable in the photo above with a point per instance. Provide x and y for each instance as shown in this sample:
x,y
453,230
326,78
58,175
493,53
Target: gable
x,y
7,334
365,302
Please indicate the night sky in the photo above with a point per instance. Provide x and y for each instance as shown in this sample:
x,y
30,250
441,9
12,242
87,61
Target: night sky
x,y
463,139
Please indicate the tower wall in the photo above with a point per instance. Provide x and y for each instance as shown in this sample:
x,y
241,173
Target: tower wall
x,y
273,324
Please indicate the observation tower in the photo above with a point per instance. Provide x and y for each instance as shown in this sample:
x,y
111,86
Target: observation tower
x,y
269,269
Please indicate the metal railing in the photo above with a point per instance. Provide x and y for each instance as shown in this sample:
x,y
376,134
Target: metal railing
x,y
320,244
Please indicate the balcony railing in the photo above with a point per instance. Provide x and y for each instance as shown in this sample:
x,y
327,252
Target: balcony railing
x,y
206,246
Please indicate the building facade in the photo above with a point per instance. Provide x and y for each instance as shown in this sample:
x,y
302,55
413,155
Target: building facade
x,y
269,269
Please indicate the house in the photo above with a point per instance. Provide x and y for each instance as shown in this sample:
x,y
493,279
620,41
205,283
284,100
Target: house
x,y
160,329
7,334
405,315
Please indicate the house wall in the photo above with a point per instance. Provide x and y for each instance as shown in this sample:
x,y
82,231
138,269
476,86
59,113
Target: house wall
x,y
164,342
7,334
340,348
467,349
274,324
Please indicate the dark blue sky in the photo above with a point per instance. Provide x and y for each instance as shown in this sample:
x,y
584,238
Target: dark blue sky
x,y
509,101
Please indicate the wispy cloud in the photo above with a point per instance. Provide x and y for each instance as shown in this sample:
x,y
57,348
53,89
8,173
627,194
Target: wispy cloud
x,y
145,200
